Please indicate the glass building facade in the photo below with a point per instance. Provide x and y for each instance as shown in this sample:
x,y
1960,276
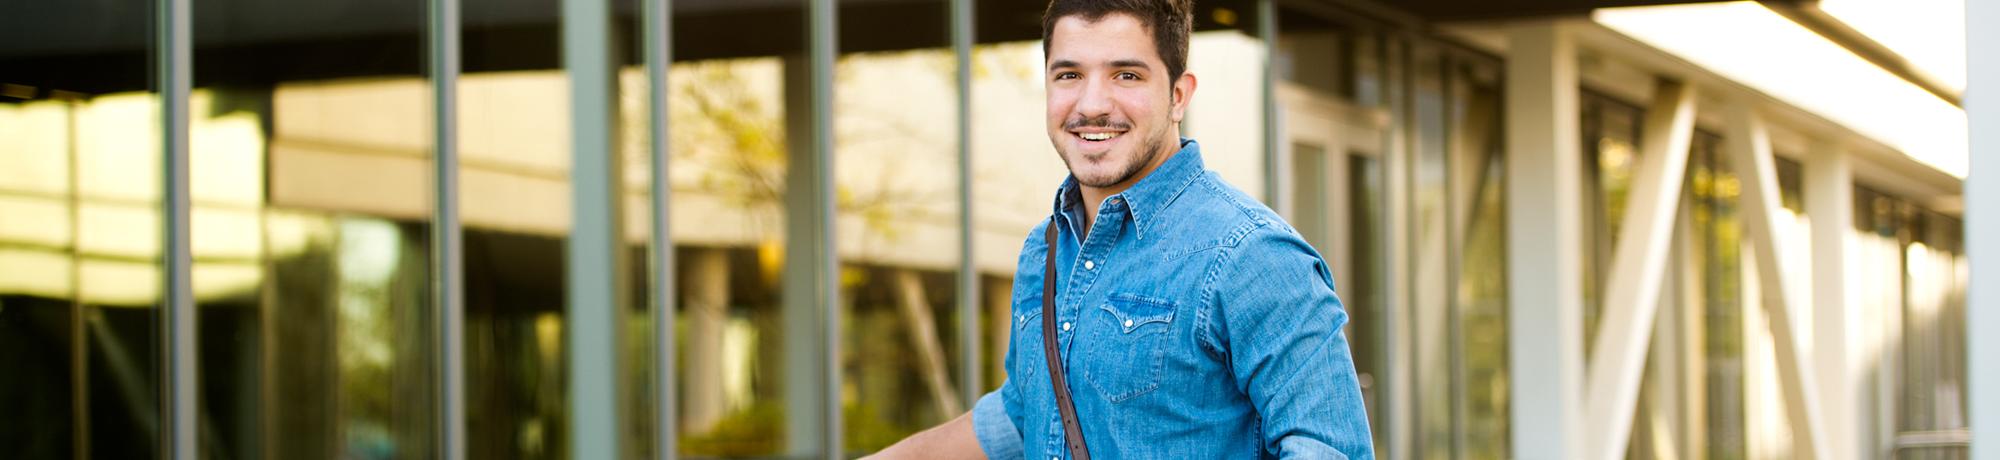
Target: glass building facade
x,y
824,197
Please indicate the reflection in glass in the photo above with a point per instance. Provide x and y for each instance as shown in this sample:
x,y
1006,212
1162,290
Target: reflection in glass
x,y
896,204
729,148
1309,194
310,231
1717,250
1610,151
1363,293
1478,207
514,154
80,181
1458,302
1930,377
79,252
738,110
1611,130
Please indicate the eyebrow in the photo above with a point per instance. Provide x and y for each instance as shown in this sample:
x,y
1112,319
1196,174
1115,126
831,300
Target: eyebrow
x,y
1120,63
1124,63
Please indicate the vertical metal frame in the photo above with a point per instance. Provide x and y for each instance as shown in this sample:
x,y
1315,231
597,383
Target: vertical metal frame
x,y
823,45
447,239
172,62
1982,223
656,22
811,280
970,372
1276,181
596,271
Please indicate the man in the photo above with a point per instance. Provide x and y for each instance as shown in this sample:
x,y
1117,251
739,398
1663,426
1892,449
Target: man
x,y
1191,321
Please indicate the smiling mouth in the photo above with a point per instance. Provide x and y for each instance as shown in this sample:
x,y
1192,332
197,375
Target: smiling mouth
x,y
1098,137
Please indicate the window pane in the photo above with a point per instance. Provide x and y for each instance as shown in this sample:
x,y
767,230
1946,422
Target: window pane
x,y
1364,292
515,154
315,299
80,181
1309,181
1717,246
1436,376
1611,131
1933,373
1480,303
896,198
634,146
738,109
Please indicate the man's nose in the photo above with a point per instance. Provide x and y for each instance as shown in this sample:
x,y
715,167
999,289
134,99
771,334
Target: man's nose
x,y
1095,100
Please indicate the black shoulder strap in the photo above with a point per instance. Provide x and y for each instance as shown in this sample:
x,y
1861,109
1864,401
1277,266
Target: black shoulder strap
x,y
1071,428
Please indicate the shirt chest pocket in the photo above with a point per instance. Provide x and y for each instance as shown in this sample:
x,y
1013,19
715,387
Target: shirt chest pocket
x,y
1128,337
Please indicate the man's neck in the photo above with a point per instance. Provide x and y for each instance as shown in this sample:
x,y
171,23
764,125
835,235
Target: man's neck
x,y
1094,196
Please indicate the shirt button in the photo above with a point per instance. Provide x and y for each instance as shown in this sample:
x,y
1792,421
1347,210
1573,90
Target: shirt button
x,y
1088,265
1128,323
1065,325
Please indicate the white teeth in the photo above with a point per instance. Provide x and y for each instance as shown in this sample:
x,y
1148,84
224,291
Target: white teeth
x,y
1098,136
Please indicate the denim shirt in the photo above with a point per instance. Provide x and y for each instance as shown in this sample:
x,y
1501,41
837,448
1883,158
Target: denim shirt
x,y
1193,323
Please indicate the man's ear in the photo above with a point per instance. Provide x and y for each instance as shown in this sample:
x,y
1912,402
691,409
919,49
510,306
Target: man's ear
x,y
1182,92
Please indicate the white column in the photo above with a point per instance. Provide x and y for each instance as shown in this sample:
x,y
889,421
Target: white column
x,y
1545,292
1639,269
1982,225
707,300
1750,151
1829,195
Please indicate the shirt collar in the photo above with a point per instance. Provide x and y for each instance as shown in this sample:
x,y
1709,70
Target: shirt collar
x,y
1153,193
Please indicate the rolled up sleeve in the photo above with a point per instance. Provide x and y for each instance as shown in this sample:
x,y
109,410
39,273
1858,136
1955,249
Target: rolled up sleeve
x,y
995,428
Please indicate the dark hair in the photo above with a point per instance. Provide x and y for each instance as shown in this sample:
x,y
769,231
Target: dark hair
x,y
1170,20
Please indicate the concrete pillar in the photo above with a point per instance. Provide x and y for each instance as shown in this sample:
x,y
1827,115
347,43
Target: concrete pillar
x,y
707,298
1544,225
1829,195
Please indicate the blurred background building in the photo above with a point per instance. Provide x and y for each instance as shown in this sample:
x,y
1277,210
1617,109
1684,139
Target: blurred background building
x,y
1563,228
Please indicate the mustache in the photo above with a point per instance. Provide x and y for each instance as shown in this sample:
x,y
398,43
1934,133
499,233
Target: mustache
x,y
1103,121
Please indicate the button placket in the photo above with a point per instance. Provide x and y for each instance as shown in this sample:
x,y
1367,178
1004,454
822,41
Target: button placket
x,y
1068,307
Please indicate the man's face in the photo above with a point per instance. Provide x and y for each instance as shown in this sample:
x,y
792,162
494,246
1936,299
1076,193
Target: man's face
x,y
1112,109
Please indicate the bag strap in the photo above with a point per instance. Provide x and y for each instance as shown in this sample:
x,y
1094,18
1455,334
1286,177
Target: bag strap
x,y
1071,428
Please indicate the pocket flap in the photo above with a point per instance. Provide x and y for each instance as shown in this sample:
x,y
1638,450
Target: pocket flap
x,y
1131,311
1022,320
